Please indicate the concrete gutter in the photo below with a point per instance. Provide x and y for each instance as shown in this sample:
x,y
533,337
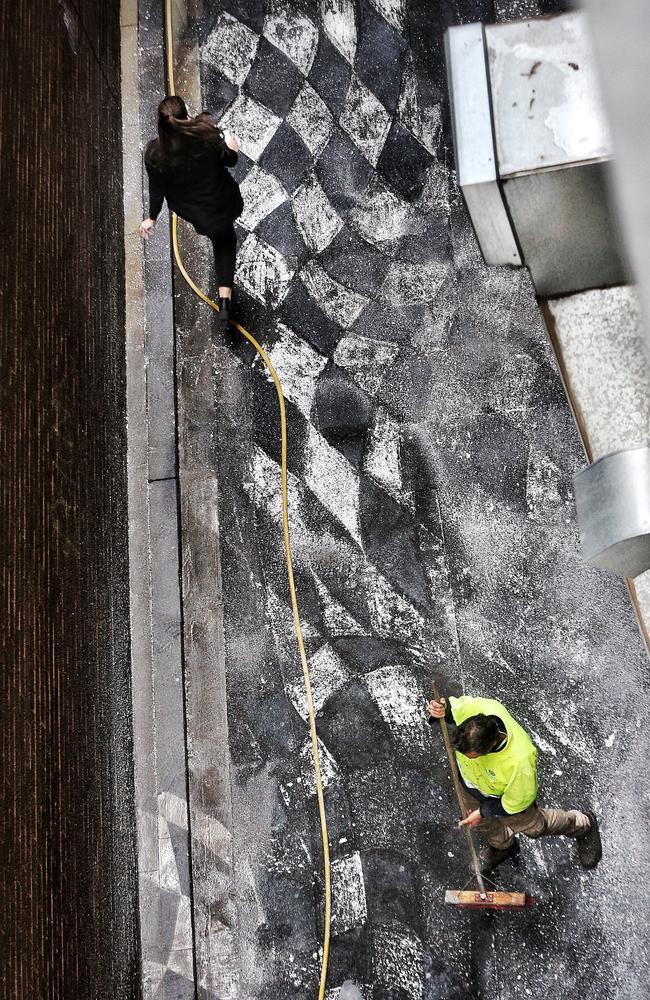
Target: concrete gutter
x,y
160,764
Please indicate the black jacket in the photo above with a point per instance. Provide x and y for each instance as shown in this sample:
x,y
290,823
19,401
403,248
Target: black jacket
x,y
201,190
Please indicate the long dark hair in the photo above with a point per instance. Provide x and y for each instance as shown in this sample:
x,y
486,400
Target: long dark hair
x,y
182,139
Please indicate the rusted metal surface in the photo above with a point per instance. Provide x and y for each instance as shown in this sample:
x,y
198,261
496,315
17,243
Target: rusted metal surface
x,y
68,849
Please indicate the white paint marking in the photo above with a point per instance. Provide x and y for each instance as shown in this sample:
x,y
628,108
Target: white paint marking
x,y
338,620
293,33
263,271
562,722
382,216
400,700
262,194
423,120
253,123
334,481
339,303
349,907
298,366
329,772
339,23
264,489
382,460
311,119
230,48
365,359
328,673
392,616
398,960
350,991
579,746
365,119
315,216
543,744
392,10
536,850
280,622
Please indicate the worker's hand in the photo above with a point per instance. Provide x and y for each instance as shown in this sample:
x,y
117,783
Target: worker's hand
x,y
437,708
146,228
232,142
472,819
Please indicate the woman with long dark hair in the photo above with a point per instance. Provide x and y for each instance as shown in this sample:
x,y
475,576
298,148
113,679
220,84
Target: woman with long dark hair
x,y
188,165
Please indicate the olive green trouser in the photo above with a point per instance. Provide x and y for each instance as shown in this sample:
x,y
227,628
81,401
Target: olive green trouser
x,y
533,822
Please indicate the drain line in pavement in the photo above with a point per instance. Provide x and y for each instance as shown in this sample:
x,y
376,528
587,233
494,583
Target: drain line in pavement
x,y
287,539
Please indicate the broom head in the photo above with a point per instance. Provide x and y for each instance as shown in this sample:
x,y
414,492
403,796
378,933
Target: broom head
x,y
471,899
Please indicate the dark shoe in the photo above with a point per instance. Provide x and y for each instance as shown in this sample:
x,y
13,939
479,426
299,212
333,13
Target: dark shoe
x,y
490,857
590,849
225,310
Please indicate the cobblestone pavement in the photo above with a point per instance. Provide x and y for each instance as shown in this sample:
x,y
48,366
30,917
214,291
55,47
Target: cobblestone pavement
x,y
431,451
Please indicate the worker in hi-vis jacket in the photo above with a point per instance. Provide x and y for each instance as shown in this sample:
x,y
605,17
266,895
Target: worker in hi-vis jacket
x,y
497,763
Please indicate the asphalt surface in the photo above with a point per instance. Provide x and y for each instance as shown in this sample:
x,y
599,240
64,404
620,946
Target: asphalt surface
x,y
431,452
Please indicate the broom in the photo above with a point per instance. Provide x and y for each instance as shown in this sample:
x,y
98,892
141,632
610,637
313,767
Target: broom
x,y
472,899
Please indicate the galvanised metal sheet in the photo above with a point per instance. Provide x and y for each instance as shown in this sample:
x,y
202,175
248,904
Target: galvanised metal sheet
x,y
613,501
474,143
545,95
566,228
553,148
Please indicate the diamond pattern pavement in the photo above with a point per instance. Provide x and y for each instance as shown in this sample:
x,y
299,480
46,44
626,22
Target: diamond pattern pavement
x,y
413,538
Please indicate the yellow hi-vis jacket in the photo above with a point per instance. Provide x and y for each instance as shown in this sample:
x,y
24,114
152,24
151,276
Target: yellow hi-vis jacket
x,y
509,774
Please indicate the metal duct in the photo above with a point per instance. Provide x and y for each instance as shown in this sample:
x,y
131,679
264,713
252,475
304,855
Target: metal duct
x,y
474,143
533,150
613,501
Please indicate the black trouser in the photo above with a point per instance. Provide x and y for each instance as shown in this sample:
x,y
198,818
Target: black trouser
x,y
224,244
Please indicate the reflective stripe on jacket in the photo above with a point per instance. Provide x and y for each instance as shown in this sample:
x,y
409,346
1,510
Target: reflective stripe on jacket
x,y
509,774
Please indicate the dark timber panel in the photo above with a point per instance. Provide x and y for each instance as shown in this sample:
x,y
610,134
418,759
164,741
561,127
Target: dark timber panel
x,y
68,900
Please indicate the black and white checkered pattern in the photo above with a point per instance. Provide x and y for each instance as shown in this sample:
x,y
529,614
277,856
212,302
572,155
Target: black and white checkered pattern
x,y
322,97
341,185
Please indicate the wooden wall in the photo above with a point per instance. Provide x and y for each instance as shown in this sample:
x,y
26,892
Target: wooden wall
x,y
67,909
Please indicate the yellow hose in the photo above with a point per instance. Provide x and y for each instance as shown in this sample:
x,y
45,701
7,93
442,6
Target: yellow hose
x,y
287,543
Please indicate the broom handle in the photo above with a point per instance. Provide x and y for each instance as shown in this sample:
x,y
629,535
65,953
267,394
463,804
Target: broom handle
x,y
459,793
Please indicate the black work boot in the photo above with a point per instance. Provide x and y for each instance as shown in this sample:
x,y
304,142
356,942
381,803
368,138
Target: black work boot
x,y
225,310
491,857
590,849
